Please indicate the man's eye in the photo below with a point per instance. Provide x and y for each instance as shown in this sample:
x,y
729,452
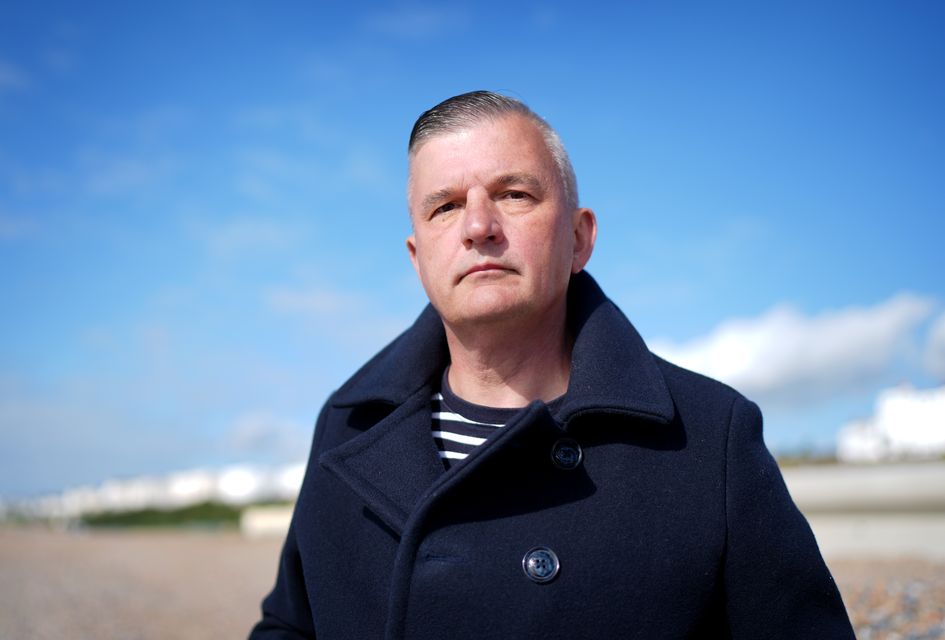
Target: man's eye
x,y
516,195
445,208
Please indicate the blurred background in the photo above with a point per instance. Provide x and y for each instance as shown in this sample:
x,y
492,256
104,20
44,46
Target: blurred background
x,y
202,218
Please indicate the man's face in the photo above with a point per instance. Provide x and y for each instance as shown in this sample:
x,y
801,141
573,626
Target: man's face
x,y
494,239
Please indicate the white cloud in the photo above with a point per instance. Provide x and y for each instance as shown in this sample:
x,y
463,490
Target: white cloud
x,y
788,356
314,303
60,60
906,422
414,22
12,77
365,167
269,174
29,181
128,156
353,319
246,234
327,69
935,348
111,174
299,120
15,227
264,434
545,18
318,157
150,128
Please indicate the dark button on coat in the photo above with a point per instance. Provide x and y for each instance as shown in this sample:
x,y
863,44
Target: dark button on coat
x,y
676,524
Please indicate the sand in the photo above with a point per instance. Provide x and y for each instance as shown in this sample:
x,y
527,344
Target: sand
x,y
137,585
143,585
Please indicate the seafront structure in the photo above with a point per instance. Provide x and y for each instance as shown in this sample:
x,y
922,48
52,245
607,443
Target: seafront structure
x,y
234,485
907,423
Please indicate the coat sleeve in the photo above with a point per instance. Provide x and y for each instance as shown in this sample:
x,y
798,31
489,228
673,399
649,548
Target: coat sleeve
x,y
286,612
776,582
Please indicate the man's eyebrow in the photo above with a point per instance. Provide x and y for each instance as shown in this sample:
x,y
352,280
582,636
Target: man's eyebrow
x,y
435,198
508,180
526,179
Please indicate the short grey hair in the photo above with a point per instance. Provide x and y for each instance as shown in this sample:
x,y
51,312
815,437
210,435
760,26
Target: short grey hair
x,y
467,109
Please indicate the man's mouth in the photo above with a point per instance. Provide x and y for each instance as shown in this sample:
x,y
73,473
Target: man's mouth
x,y
486,266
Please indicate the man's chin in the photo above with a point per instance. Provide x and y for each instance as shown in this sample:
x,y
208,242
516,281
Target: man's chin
x,y
484,313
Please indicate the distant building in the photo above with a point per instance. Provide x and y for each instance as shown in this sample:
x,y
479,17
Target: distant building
x,y
907,424
235,485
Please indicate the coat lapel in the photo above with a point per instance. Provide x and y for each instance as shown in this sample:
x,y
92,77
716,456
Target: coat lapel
x,y
390,465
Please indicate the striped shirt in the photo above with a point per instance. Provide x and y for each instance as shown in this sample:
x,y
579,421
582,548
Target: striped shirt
x,y
459,426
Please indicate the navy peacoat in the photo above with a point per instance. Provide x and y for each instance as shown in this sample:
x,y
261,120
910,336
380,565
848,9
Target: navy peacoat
x,y
672,521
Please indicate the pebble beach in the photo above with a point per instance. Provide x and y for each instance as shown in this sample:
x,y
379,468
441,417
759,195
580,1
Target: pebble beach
x,y
144,585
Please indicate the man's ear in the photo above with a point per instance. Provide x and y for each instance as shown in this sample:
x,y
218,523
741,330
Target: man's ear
x,y
585,235
412,251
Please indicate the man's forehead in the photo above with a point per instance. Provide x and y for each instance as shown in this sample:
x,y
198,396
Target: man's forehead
x,y
518,121
509,149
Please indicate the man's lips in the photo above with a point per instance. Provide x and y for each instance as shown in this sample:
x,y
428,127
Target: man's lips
x,y
486,266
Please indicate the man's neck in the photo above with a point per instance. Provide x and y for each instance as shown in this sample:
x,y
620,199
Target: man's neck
x,y
498,367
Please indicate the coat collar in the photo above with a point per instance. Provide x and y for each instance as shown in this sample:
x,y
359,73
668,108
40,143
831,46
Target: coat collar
x,y
611,368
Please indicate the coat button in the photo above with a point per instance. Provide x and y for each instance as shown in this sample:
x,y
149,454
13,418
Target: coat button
x,y
541,564
566,454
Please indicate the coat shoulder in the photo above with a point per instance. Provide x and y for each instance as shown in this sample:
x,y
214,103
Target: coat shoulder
x,y
695,392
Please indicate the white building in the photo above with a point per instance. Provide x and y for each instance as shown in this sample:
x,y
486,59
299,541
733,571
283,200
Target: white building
x,y
236,485
907,423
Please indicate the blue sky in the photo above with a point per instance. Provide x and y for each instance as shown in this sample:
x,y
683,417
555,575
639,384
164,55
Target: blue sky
x,y
202,205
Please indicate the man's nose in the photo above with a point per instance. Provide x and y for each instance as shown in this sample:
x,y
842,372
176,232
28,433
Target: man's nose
x,y
481,223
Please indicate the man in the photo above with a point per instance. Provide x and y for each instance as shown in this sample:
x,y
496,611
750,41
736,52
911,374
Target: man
x,y
517,464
